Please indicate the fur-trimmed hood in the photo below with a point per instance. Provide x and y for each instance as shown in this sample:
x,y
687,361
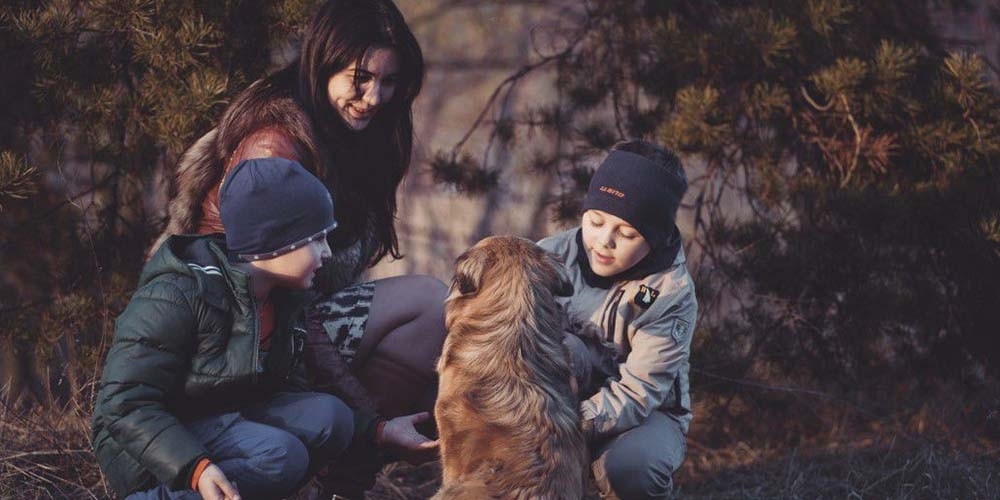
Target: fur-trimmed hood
x,y
263,105
200,168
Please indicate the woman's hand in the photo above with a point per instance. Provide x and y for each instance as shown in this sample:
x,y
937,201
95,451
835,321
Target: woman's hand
x,y
400,437
213,485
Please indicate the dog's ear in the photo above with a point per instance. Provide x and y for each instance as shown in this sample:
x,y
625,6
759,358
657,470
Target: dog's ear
x,y
466,284
469,269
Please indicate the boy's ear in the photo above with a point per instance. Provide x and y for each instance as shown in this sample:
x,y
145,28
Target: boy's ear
x,y
469,269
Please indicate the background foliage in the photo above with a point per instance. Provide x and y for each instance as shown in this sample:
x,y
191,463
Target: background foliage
x,y
844,216
845,180
98,99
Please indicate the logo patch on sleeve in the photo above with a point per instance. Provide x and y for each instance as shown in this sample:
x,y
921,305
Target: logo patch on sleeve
x,y
680,331
645,296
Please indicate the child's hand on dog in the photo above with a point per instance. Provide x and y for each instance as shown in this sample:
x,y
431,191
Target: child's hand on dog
x,y
401,437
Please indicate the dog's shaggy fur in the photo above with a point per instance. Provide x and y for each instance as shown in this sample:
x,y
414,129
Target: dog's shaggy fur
x,y
507,416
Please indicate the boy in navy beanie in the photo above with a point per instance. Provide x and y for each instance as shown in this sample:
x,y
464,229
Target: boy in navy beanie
x,y
203,393
632,314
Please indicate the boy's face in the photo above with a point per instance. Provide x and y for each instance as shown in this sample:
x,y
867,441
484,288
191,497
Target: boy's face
x,y
612,244
296,269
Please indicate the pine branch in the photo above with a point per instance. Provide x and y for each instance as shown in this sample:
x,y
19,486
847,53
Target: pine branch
x,y
17,178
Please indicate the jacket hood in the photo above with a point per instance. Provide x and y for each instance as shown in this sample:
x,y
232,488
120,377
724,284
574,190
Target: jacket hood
x,y
204,259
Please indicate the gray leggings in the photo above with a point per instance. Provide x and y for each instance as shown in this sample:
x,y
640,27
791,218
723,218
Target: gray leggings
x,y
639,463
267,450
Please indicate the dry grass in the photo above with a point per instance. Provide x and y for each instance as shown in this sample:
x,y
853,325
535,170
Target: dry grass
x,y
925,472
400,481
928,471
45,455
946,450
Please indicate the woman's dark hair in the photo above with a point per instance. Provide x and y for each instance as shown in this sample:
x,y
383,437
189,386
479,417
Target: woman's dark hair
x,y
363,168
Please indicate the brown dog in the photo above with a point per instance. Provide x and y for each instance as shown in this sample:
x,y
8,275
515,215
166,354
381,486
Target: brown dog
x,y
507,416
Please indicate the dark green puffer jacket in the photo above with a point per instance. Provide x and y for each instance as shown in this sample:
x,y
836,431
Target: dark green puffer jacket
x,y
186,346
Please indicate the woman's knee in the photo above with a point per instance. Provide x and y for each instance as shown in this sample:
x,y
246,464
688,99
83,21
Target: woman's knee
x,y
412,296
431,289
407,321
430,294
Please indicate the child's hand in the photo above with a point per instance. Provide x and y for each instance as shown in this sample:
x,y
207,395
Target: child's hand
x,y
589,330
401,437
213,485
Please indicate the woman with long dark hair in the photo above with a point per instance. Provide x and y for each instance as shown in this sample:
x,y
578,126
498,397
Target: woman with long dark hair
x,y
342,110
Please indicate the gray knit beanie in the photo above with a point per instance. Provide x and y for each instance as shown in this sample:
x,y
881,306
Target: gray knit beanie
x,y
271,206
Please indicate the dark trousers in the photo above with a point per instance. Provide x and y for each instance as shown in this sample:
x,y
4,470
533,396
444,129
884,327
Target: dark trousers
x,y
639,463
269,449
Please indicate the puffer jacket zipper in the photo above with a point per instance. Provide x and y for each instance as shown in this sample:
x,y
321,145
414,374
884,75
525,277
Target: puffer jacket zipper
x,y
257,368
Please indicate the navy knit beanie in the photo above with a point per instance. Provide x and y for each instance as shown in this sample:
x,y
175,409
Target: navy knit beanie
x,y
638,191
271,206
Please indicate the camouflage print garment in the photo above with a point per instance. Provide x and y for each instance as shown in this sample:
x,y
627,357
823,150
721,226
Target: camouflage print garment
x,y
343,316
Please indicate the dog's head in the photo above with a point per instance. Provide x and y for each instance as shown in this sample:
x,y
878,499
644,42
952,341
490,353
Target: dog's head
x,y
504,287
500,262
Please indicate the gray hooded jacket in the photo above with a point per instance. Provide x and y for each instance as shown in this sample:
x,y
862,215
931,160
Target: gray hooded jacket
x,y
650,322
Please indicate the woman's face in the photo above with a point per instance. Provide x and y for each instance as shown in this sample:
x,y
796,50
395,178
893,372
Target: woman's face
x,y
358,91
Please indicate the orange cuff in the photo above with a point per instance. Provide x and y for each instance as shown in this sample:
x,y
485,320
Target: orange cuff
x,y
379,431
198,469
